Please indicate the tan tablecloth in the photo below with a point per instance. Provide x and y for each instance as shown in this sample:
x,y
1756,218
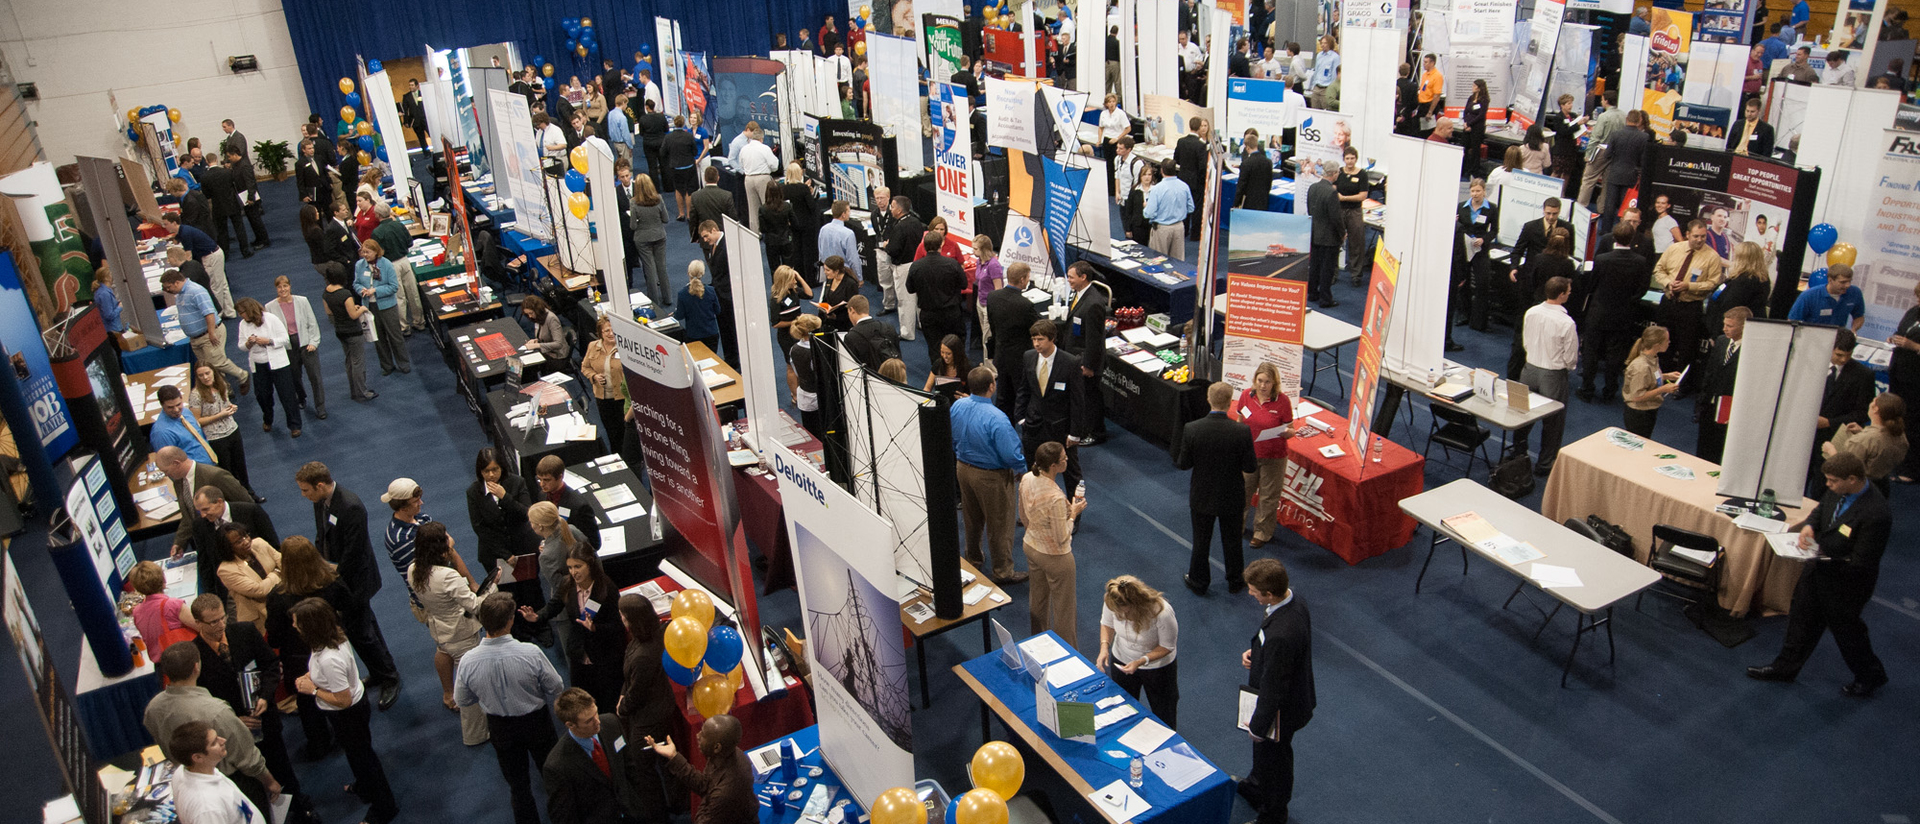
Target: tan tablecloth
x,y
1595,477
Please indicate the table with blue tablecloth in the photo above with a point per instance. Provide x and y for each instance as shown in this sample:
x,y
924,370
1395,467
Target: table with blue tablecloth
x,y
1133,271
1279,199
774,789
1087,767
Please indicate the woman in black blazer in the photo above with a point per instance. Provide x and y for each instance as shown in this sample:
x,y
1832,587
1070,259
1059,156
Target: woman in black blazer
x,y
594,639
1475,115
646,707
777,228
497,507
1133,213
1747,284
806,222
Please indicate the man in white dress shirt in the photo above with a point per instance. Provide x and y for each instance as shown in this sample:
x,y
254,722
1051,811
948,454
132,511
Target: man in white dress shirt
x,y
759,164
201,795
1553,349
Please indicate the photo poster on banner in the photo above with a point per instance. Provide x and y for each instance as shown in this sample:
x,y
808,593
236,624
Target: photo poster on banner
x,y
1543,36
856,645
855,165
687,463
21,345
1523,199
1666,67
944,56
1261,105
1727,21
1740,198
462,225
1371,351
1268,244
811,159
517,164
1320,137
1714,74
1266,323
463,104
54,703
744,92
96,519
667,32
1890,258
1169,118
696,88
893,69
952,150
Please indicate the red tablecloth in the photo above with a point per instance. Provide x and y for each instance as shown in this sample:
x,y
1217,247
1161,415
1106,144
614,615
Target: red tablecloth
x,y
773,717
765,523
1344,506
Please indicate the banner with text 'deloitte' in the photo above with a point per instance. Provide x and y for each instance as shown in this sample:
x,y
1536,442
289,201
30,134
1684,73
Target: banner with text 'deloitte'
x,y
687,465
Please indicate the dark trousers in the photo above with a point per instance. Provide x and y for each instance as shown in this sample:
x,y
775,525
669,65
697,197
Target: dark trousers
x,y
1683,320
259,226
352,727
363,630
306,363
1359,263
1009,363
654,786
520,740
729,337
1095,420
1603,353
273,748
1231,524
1162,686
1826,601
1553,384
1193,217
1479,285
230,453
1712,445
1640,421
1032,438
1271,779
231,228
1610,204
1323,263
936,326
269,382
654,165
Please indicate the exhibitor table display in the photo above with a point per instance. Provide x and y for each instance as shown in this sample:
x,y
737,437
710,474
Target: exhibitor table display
x,y
1635,483
1344,505
785,800
143,390
916,614
480,352
1455,386
559,430
1140,276
1179,785
630,544
454,301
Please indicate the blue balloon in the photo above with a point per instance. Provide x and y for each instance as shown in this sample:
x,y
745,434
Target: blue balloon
x,y
724,649
366,142
539,61
374,66
1818,279
646,49
381,153
680,675
571,43
1822,238
353,99
576,182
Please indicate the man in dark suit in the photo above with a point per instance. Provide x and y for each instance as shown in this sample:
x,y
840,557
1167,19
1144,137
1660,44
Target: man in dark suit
x,y
1533,239
709,204
413,114
235,142
218,501
900,233
223,197
187,476
1219,451
1757,133
1849,392
720,274
340,533
195,211
1010,316
586,772
1323,259
1850,529
575,507
1256,175
1712,378
1279,666
1048,400
1191,155
232,650
652,126
1613,313
869,341
1475,226
312,177
938,282
1087,340
246,183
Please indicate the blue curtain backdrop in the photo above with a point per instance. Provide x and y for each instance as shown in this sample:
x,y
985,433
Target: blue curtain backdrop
x,y
328,33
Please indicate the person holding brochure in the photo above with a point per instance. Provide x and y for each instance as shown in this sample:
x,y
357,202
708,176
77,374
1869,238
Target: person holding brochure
x,y
1139,636
595,643
1279,666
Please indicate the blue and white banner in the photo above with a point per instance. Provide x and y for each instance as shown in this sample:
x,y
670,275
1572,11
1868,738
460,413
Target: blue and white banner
x,y
1063,188
952,151
1261,105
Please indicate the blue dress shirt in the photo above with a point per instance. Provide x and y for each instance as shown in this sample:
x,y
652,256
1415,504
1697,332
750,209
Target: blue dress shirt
x,y
836,238
506,678
109,308
618,132
983,437
196,242
171,431
193,305
1817,306
1169,201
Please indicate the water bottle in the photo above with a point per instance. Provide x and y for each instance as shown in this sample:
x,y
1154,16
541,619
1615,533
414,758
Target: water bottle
x,y
1136,774
1080,491
1767,509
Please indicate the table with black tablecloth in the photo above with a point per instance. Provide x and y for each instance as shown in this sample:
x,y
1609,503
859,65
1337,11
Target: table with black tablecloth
x,y
450,305
523,450
636,555
1151,406
479,355
1349,507
1130,274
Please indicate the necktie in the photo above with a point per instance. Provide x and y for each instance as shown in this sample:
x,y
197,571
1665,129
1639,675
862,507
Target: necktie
x,y
194,427
1746,133
600,759
1046,365
1684,275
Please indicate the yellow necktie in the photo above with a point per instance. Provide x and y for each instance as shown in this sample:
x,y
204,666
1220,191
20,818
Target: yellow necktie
x,y
1046,365
194,427
1746,132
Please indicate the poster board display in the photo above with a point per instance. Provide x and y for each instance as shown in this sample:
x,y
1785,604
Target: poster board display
x,y
1543,37
1741,198
952,152
743,92
1368,356
51,701
1262,105
895,79
667,41
941,34
1320,137
517,163
1523,198
1664,73
855,161
856,645
1419,233
21,345
1169,118
1889,262
1266,323
1711,92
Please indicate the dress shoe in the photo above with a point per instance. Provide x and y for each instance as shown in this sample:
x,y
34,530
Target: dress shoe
x,y
1542,470
1235,588
1585,395
389,694
1454,347
1329,303
322,414
1198,588
296,433
1256,543
266,427
1863,689
1771,672
1011,579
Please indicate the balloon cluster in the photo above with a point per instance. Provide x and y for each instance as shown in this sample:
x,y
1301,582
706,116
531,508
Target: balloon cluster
x,y
1000,16
1825,240
698,654
576,178
134,116
581,38
997,769
371,146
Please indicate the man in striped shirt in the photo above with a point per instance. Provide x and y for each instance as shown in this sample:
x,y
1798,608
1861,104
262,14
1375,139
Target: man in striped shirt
x,y
404,496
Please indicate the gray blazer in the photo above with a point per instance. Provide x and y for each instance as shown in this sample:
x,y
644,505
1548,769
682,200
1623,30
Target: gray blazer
x,y
649,222
307,329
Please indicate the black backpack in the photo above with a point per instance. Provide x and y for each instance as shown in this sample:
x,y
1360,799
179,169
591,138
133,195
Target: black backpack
x,y
1513,476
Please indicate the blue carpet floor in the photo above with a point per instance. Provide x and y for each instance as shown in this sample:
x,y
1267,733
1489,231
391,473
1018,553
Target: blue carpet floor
x,y
1436,707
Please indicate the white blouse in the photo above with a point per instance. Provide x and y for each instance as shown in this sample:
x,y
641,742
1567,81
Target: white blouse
x,y
1130,645
333,669
273,354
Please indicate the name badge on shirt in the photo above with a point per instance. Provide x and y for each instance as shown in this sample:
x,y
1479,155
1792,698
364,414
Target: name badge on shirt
x,y
333,520
1059,386
619,743
1846,530
564,512
1246,412
1261,638
1076,325
1826,311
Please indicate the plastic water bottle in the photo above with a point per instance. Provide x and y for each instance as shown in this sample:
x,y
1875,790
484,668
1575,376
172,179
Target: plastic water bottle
x,y
1136,773
1767,509
1080,491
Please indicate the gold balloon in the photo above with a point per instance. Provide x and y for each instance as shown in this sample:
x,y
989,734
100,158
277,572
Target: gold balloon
x,y
898,806
547,70
586,22
1841,253
997,766
980,806
346,85
578,159
173,115
860,47
364,158
580,50
692,602
364,127
711,696
133,116
348,114
686,640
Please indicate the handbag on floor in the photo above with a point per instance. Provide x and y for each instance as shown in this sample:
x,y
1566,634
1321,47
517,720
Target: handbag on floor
x,y
1513,476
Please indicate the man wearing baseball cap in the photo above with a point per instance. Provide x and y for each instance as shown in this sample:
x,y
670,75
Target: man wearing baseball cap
x,y
403,495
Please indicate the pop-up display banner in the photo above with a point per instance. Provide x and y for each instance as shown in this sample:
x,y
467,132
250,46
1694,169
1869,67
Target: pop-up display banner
x,y
53,702
893,72
1266,323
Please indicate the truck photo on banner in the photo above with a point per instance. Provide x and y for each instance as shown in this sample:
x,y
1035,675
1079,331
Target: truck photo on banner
x,y
1266,323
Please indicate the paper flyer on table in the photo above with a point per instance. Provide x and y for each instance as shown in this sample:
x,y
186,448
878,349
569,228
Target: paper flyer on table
x,y
1549,576
1067,672
1179,767
1787,545
1146,736
1044,649
1119,802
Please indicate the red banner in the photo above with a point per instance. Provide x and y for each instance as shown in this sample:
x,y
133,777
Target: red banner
x,y
459,200
1366,364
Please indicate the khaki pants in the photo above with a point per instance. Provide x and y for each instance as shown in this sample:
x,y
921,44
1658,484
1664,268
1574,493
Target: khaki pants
x,y
1050,594
412,314
986,502
756,196
216,264
1169,239
1266,483
883,277
473,719
211,349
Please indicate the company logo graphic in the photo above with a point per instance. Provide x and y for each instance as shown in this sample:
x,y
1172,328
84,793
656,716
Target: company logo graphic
x,y
1023,237
1904,145
806,482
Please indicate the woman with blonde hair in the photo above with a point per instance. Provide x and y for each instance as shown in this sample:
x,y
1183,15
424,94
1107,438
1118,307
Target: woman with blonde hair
x,y
557,539
1881,445
161,619
1747,284
989,273
649,215
1139,636
803,377
784,304
600,366
1264,408
699,309
1646,386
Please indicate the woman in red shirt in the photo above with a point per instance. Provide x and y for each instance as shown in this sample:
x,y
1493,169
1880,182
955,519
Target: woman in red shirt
x,y
364,217
1265,410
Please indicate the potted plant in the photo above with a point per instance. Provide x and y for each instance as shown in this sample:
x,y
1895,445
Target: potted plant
x,y
273,155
